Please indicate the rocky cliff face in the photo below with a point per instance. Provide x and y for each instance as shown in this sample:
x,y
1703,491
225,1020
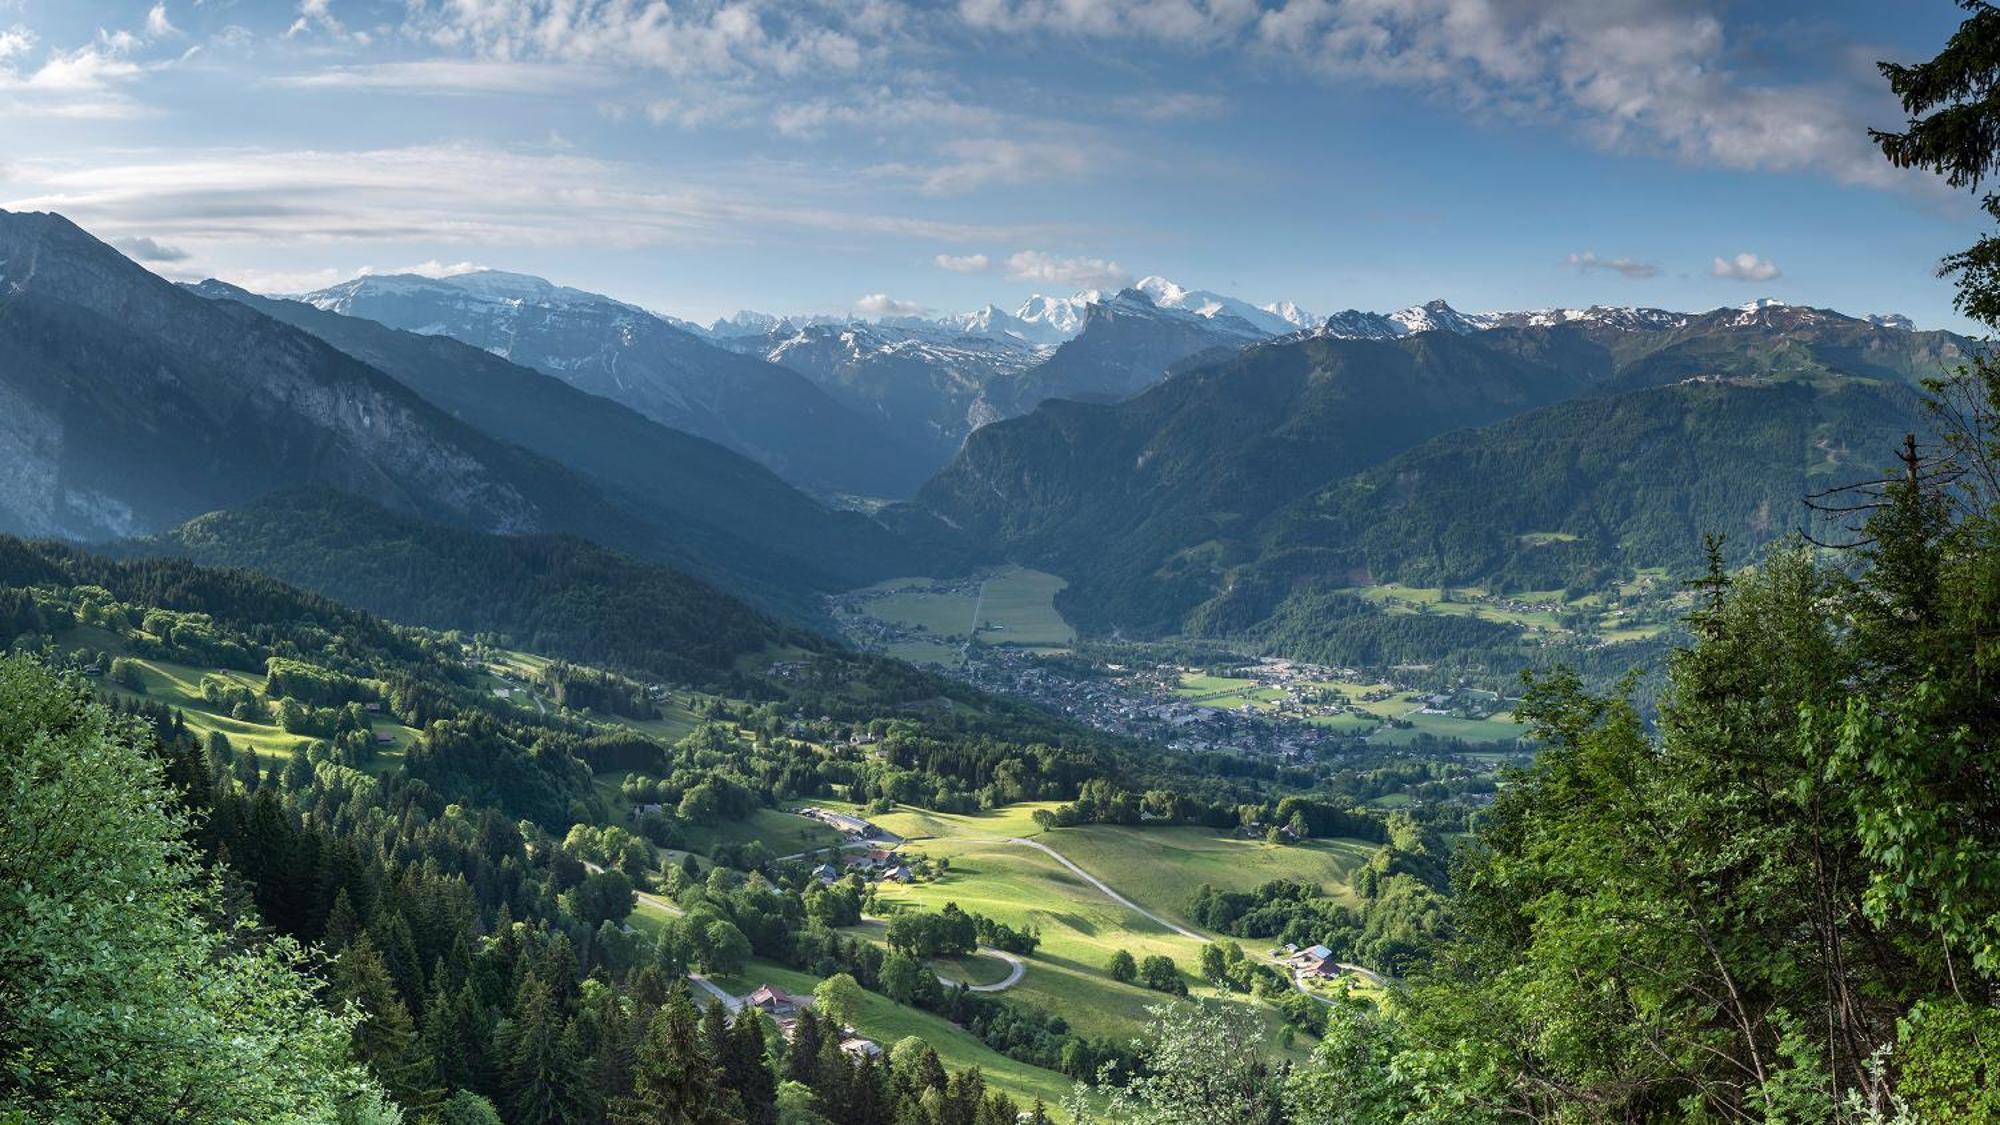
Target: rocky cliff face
x,y
128,405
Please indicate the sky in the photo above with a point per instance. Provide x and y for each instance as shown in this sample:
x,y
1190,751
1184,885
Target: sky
x,y
886,157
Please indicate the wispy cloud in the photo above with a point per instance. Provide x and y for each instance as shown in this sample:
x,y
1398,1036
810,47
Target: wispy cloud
x,y
964,263
706,37
450,76
1048,269
969,165
1745,267
1172,105
1589,262
434,194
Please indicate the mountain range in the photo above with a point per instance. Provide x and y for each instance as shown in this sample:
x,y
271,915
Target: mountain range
x,y
671,375
1191,464
1527,451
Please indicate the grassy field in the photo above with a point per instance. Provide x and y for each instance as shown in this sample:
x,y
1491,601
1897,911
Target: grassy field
x,y
1018,607
1080,930
977,969
1008,606
782,832
886,1022
1499,728
179,686
1160,868
1080,927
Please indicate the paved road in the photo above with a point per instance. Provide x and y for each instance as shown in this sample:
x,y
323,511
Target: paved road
x,y
729,1001
1297,981
1101,886
666,904
1013,976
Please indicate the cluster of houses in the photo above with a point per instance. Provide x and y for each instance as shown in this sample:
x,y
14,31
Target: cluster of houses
x,y
1314,962
783,1008
883,864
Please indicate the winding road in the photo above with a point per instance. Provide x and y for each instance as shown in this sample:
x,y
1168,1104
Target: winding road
x,y
1102,887
1017,968
1298,980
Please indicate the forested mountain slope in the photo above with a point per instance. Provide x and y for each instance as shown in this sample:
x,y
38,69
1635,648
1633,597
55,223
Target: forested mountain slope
x,y
1139,503
733,514
1610,441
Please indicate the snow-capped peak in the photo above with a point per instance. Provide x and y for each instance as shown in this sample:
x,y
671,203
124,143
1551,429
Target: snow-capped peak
x,y
1201,302
1057,317
1437,316
1892,320
1290,313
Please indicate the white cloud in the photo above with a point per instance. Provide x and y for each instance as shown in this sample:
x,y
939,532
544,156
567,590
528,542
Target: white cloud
x,y
1190,22
704,37
1744,267
87,82
964,263
1651,75
1588,261
430,267
158,26
1083,273
881,304
15,41
142,249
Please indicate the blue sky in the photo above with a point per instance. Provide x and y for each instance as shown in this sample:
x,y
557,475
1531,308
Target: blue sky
x,y
884,155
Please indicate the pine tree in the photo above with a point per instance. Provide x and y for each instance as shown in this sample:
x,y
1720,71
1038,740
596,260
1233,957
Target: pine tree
x,y
802,1064
386,1037
543,1079
674,1082
746,1068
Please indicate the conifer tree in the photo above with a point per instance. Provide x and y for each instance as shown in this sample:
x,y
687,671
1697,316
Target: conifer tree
x,y
386,1038
543,1079
675,1081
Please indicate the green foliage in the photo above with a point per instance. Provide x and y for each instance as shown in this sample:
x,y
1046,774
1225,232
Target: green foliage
x,y
118,1001
1203,1066
557,595
1123,968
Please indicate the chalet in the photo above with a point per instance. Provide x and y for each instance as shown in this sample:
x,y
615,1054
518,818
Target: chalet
x,y
1308,957
898,874
861,1048
775,1000
385,740
372,707
826,873
1324,970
